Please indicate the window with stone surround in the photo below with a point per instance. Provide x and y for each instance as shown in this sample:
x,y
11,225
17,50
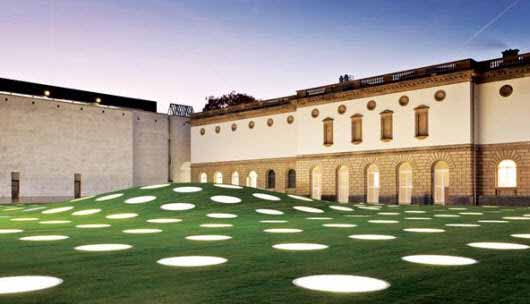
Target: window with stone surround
x,y
386,125
203,177
218,177
422,121
507,174
271,179
328,131
357,129
291,179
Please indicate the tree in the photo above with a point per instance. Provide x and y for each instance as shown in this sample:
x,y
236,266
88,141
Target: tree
x,y
227,100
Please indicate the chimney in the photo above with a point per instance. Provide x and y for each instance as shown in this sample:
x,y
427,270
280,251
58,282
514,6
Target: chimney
x,y
510,56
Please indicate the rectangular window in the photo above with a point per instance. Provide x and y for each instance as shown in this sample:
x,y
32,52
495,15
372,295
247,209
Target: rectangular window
x,y
422,121
386,125
15,186
357,129
328,131
77,185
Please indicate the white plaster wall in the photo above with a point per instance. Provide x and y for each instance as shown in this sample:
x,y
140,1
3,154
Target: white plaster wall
x,y
180,150
48,145
260,142
503,119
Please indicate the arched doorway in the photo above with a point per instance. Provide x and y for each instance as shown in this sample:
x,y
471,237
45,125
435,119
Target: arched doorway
x,y
203,178
271,179
405,184
218,177
343,184
440,182
372,184
316,183
252,179
235,178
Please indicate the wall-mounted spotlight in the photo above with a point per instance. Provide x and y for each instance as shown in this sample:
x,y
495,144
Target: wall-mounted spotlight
x,y
47,93
98,100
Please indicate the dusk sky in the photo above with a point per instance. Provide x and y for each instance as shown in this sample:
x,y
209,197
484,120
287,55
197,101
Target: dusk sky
x,y
183,51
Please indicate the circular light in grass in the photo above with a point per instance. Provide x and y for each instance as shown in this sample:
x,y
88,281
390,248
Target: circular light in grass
x,y
33,209
208,237
338,225
493,221
187,189
273,221
424,230
308,209
457,208
86,212
471,213
225,199
154,186
341,208
10,231
57,210
300,246
140,199
109,197
446,215
24,219
521,235
319,218
415,211
121,216
103,247
372,237
358,215
418,218
92,226
142,231
388,213
442,260
192,261
228,186
216,225
269,211
339,283
266,197
517,218
283,230
177,206
369,208
40,238
55,222
498,245
221,215
164,221
298,197
383,221
20,284
462,225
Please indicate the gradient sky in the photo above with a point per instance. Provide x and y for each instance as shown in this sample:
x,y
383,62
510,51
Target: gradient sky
x,y
183,51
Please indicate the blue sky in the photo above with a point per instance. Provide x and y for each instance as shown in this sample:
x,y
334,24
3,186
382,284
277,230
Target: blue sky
x,y
183,51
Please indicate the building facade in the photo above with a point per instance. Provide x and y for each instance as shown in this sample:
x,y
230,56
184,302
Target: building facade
x,y
453,133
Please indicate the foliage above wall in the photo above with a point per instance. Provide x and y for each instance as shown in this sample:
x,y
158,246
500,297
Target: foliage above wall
x,y
231,99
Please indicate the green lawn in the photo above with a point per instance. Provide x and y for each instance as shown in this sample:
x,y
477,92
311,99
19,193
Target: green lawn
x,y
255,272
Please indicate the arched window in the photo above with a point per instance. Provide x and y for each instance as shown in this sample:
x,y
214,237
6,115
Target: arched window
x,y
218,177
252,179
235,178
203,177
271,179
291,179
507,174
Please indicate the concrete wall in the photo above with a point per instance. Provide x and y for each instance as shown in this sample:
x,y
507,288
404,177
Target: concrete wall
x,y
180,149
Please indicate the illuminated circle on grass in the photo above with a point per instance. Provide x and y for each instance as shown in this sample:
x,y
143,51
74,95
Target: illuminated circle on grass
x,y
446,215
283,230
164,221
339,225
187,189
192,261
216,225
300,246
86,212
177,206
82,198
109,197
341,208
424,230
228,186
418,218
221,215
319,218
24,219
521,235
383,221
358,215
441,260
340,283
140,199
55,222
498,246
462,225
415,211
225,199
40,238
471,213
273,221
372,237
33,209
308,209
298,197
265,196
92,226
103,247
9,231
388,213
121,216
373,208
457,208
20,284
493,221
154,186
208,237
142,231
517,218
269,211
57,210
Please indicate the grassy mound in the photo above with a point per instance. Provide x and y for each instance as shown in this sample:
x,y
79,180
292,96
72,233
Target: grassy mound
x,y
255,272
